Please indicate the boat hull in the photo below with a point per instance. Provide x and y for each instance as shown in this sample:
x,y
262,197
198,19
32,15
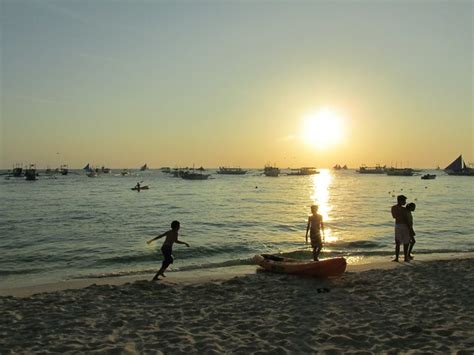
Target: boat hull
x,y
141,188
322,269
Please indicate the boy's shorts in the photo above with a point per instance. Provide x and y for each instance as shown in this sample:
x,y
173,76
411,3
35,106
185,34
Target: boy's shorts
x,y
316,240
402,234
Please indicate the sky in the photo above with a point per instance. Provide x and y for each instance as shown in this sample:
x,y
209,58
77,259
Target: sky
x,y
234,83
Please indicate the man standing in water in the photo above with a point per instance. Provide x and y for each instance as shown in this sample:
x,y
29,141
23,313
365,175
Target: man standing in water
x,y
315,226
402,230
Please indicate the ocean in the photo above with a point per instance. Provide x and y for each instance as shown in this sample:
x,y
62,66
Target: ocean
x,y
73,226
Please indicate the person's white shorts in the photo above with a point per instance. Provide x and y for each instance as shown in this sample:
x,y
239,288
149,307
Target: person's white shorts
x,y
402,234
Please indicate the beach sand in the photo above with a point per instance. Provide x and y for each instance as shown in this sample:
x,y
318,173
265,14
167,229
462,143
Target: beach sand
x,y
421,307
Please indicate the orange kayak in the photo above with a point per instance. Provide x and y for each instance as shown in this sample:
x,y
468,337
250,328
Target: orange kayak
x,y
323,268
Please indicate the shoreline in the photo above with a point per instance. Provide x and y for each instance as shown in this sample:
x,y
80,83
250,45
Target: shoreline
x,y
206,276
424,306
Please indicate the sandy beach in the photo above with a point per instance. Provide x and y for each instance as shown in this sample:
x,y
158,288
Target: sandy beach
x,y
421,307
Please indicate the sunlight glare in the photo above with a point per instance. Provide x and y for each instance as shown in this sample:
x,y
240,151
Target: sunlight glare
x,y
322,129
320,197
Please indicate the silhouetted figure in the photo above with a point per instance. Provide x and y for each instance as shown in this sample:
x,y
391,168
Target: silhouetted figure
x,y
411,208
402,230
137,186
315,226
167,247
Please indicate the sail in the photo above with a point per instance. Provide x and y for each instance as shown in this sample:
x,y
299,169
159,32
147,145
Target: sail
x,y
87,168
144,167
456,165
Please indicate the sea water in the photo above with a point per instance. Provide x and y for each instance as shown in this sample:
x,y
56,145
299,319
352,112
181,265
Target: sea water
x,y
68,227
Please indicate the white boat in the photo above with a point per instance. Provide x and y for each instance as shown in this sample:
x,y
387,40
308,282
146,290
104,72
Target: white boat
x,y
363,169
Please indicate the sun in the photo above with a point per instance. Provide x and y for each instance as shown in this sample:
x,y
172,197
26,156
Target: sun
x,y
322,129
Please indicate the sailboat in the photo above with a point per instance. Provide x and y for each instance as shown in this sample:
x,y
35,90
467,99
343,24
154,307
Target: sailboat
x,y
144,167
459,167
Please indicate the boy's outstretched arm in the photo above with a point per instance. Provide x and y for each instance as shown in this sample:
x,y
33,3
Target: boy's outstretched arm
x,y
180,242
157,237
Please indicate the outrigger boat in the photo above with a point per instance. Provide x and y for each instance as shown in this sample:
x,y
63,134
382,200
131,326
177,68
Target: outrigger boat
x,y
231,171
303,171
459,167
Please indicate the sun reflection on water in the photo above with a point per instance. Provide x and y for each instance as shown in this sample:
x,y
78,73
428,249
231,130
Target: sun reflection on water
x,y
319,194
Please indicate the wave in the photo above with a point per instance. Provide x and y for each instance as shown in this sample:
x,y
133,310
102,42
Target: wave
x,y
20,272
182,253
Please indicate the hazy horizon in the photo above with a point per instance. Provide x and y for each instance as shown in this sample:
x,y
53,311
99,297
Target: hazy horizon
x,y
177,83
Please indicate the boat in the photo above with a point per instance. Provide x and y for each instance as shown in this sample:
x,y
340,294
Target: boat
x,y
136,188
124,172
192,175
144,167
231,171
166,169
87,168
30,173
363,169
271,171
303,171
399,171
324,268
64,169
428,177
459,168
17,171
105,170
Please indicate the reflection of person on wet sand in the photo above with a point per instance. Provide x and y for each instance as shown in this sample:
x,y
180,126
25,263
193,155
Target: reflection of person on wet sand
x,y
402,230
167,248
315,226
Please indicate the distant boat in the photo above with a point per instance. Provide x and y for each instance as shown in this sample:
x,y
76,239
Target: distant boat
x,y
87,168
137,188
166,169
338,167
30,173
428,177
399,171
231,171
64,169
124,172
144,167
271,171
105,170
17,170
458,167
303,171
363,169
192,175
